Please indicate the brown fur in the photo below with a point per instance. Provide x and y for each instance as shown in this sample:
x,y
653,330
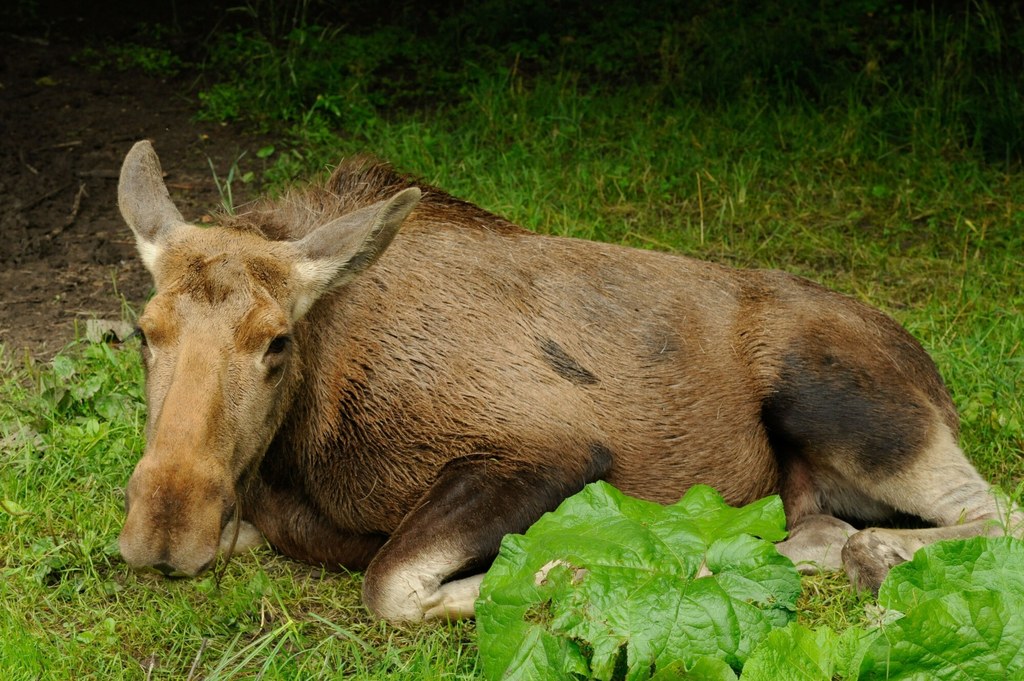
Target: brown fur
x,y
476,374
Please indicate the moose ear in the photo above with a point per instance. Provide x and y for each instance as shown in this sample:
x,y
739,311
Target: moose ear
x,y
145,204
335,253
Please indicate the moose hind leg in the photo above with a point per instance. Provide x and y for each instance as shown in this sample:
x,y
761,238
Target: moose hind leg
x,y
865,438
942,488
432,565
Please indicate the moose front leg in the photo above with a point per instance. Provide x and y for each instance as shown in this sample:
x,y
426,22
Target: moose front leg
x,y
433,564
239,536
298,530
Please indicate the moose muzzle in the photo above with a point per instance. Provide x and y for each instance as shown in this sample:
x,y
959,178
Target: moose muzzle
x,y
175,516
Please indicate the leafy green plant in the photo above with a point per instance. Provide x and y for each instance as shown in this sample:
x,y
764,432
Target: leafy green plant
x,y
614,587
955,612
797,652
610,587
962,606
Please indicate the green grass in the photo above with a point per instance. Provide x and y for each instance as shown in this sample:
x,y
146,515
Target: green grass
x,y
933,239
843,190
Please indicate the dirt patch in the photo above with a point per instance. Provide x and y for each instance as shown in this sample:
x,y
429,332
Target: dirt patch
x,y
65,254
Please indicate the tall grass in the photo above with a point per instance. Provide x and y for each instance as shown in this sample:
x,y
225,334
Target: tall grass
x,y
855,181
932,74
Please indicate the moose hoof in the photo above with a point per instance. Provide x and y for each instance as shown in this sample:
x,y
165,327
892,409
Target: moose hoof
x,y
815,543
870,554
247,537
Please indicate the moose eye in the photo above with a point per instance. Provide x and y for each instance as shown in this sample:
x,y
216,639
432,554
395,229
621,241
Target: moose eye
x,y
278,345
138,333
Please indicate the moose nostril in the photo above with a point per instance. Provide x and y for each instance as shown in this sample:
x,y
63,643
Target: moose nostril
x,y
166,569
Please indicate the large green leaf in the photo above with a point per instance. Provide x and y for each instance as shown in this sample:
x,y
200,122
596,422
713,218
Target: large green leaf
x,y
955,613
609,586
704,669
797,652
949,566
964,614
962,636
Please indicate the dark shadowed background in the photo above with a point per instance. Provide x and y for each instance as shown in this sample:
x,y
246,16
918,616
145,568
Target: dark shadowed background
x,y
211,80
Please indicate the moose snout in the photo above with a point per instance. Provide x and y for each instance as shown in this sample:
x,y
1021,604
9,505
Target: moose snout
x,y
174,519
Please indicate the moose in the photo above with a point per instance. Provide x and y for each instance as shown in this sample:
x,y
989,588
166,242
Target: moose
x,y
371,374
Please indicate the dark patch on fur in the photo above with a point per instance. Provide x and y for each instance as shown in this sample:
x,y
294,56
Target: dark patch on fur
x,y
663,344
825,406
211,281
600,460
564,365
268,274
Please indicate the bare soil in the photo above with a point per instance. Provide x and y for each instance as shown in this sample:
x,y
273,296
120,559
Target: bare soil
x,y
65,254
